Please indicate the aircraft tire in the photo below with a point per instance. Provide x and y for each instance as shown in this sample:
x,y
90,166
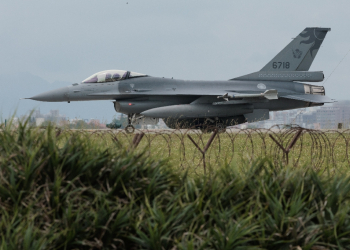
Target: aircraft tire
x,y
129,129
221,127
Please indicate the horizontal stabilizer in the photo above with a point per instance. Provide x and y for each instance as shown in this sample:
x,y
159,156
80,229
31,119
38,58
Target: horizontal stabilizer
x,y
310,98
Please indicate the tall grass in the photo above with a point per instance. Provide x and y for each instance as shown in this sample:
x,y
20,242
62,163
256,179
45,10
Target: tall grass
x,y
76,194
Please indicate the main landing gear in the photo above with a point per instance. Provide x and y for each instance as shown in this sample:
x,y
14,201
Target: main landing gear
x,y
221,127
129,129
211,125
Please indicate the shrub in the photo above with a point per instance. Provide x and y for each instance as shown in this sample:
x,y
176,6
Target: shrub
x,y
66,193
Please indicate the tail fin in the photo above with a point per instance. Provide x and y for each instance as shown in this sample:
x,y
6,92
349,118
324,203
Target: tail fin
x,y
299,54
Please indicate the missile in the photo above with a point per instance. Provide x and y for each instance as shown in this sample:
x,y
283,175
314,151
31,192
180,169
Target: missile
x,y
199,110
270,94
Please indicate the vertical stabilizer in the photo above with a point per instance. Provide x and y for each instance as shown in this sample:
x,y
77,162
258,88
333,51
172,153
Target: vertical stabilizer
x,y
299,54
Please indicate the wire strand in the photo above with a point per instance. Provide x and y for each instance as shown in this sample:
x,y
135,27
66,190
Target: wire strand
x,y
336,67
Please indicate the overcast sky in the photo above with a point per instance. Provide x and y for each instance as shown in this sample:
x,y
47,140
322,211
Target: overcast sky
x,y
205,39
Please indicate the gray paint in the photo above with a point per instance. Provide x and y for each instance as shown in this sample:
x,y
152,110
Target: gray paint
x,y
257,115
199,111
286,76
300,52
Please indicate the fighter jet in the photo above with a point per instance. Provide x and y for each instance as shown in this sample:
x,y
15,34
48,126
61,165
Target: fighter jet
x,y
279,85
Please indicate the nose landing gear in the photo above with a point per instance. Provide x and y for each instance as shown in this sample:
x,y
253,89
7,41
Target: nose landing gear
x,y
129,129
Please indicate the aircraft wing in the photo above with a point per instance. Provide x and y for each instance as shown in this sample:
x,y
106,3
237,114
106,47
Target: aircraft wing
x,y
310,98
268,94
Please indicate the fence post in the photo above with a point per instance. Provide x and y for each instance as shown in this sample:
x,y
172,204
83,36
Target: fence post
x,y
136,140
59,131
291,144
205,148
340,125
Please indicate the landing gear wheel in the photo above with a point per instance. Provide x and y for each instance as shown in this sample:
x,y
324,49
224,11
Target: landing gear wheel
x,y
221,128
129,129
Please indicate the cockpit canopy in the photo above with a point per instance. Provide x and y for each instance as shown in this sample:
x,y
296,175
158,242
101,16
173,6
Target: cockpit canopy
x,y
112,76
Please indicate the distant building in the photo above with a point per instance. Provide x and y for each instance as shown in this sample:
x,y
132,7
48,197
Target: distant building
x,y
39,121
15,121
37,114
55,113
75,121
37,118
54,116
324,117
327,117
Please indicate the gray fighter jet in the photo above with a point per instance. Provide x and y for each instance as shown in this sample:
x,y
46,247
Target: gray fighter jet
x,y
209,104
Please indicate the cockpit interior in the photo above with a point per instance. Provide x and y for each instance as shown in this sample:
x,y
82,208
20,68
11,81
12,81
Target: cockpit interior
x,y
112,76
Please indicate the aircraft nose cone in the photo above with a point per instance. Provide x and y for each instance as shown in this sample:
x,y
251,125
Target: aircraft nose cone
x,y
57,95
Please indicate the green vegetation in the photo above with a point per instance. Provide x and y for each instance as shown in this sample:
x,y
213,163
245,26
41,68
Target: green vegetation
x,y
73,191
113,125
322,151
122,119
79,124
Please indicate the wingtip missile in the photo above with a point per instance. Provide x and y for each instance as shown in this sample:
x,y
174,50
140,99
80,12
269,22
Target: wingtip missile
x,y
225,96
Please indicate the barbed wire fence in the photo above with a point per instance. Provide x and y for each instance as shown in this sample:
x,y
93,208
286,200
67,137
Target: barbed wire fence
x,y
200,152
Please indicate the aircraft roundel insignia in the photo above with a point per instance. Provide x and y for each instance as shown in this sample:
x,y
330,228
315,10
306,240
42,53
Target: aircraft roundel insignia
x,y
261,86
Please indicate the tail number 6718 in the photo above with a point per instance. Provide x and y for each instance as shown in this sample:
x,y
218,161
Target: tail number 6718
x,y
279,65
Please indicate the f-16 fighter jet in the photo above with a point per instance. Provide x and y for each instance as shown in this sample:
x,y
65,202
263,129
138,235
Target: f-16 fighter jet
x,y
279,85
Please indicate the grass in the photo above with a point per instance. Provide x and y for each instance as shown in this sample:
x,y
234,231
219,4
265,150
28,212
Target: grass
x,y
73,191
322,151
